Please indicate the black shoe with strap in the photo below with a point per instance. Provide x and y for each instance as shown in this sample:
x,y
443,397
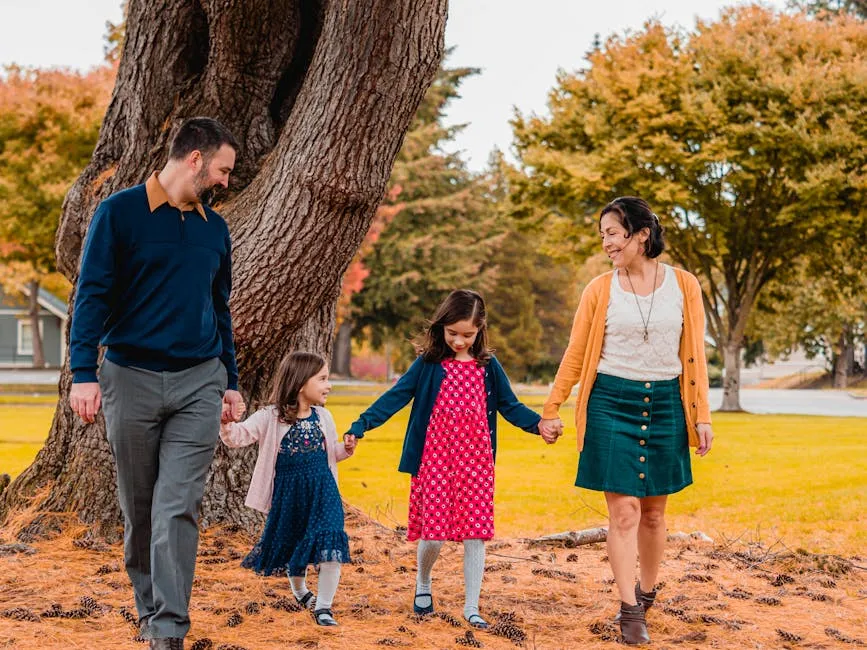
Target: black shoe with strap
x,y
307,601
423,610
324,617
477,622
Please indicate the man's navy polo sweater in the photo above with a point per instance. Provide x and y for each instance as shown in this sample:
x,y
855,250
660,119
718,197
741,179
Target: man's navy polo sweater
x,y
154,289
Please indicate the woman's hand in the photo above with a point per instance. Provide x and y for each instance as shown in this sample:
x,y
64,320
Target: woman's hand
x,y
550,429
705,438
349,442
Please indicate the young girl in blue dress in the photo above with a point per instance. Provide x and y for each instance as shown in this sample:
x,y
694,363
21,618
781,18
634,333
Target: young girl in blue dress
x,y
457,387
295,482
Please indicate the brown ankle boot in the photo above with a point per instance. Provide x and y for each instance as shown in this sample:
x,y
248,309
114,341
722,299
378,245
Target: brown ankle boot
x,y
633,627
645,598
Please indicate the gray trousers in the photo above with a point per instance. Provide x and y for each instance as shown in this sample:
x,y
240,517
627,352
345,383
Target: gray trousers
x,y
163,428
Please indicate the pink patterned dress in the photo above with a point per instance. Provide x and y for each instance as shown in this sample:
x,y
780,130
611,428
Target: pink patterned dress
x,y
452,496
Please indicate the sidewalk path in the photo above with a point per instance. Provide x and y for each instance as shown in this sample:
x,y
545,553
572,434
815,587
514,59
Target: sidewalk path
x,y
797,402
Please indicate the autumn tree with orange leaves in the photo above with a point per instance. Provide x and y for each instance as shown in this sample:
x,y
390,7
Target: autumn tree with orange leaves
x,y
49,124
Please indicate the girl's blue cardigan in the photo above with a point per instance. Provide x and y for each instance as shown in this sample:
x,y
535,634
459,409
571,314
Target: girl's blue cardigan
x,y
421,383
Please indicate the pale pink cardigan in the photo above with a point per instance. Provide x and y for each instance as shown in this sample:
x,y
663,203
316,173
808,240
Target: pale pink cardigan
x,y
265,428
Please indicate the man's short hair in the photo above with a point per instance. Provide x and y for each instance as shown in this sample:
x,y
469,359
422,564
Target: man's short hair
x,y
203,134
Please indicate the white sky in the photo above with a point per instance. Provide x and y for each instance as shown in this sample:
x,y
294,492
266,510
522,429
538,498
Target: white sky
x,y
518,45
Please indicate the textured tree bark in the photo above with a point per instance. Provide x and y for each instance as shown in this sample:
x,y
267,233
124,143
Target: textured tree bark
x,y
319,95
732,377
341,360
844,360
38,349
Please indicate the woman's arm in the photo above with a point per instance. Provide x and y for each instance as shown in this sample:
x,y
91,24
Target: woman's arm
x,y
243,434
703,426
390,402
696,308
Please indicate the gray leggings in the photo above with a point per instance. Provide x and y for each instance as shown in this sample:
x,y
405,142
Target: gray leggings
x,y
474,570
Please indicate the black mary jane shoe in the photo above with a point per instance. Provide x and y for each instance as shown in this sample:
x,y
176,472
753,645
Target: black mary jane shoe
x,y
418,609
324,617
478,622
307,601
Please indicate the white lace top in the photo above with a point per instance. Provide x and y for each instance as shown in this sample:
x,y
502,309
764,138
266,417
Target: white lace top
x,y
625,353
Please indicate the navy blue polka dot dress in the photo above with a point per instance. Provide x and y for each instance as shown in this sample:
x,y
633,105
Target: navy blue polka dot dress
x,y
305,522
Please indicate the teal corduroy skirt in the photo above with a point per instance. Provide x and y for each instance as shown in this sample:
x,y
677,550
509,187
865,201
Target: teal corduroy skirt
x,y
636,441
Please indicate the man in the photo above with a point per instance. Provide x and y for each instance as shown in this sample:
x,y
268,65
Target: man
x,y
154,290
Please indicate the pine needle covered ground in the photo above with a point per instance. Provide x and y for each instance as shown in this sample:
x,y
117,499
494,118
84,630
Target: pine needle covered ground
x,y
66,593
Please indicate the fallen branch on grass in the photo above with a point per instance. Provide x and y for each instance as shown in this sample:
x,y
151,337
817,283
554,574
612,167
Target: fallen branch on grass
x,y
573,538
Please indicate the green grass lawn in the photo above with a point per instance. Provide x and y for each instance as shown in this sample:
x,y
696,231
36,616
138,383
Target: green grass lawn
x,y
796,479
23,430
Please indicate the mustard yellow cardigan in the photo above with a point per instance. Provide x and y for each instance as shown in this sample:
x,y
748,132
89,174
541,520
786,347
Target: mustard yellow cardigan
x,y
585,349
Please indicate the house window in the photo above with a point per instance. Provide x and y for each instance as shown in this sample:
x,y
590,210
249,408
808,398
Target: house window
x,y
25,336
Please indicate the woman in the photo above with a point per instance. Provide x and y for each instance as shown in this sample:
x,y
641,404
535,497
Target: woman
x,y
637,349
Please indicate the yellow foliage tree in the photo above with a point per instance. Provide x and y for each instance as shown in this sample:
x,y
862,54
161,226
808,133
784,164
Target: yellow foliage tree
x,y
747,136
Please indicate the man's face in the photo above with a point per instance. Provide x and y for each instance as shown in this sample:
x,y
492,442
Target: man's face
x,y
213,172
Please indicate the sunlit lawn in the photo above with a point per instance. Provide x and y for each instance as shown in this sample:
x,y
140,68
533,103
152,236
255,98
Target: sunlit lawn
x,y
23,430
801,480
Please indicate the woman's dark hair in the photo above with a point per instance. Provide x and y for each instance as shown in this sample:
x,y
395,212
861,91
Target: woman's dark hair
x,y
462,304
200,134
634,214
294,371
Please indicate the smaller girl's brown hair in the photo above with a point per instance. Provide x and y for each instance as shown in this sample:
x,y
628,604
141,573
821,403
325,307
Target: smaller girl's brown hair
x,y
294,371
462,304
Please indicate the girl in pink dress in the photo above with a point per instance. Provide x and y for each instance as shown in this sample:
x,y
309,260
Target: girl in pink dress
x,y
457,387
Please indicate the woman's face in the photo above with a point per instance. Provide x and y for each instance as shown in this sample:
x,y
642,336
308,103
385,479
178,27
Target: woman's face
x,y
621,249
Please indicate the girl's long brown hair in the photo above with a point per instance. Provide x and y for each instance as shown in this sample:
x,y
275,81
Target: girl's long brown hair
x,y
294,371
463,304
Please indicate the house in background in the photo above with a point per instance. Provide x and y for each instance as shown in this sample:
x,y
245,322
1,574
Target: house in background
x,y
16,331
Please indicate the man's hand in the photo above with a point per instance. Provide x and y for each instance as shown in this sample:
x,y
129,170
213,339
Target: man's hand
x,y
85,399
233,406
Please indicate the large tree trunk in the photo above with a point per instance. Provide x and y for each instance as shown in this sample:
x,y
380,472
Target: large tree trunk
x,y
38,349
341,361
319,95
844,360
731,377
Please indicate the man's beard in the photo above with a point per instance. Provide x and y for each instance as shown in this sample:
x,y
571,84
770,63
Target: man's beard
x,y
204,191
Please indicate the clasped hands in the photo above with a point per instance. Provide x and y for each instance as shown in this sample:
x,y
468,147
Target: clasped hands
x,y
233,407
550,429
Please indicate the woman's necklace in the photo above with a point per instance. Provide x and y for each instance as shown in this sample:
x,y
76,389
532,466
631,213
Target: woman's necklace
x,y
645,323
